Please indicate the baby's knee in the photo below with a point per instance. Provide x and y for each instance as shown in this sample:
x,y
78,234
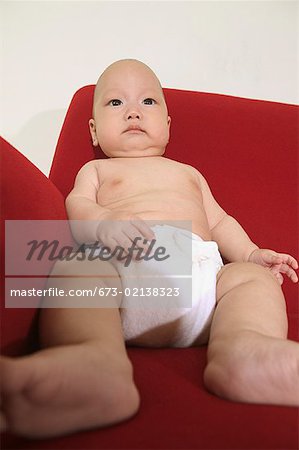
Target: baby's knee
x,y
236,274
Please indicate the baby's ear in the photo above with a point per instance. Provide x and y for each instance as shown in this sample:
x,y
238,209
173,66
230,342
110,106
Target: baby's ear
x,y
92,130
168,121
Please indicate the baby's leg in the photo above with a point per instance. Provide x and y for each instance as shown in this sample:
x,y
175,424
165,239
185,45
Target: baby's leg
x,y
82,378
249,357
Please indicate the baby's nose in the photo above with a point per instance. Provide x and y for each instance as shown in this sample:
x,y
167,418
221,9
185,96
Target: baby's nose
x,y
133,115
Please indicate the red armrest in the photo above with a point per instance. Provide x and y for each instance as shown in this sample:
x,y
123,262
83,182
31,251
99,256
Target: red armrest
x,y
25,194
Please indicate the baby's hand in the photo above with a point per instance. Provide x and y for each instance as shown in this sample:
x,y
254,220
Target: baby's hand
x,y
278,263
120,228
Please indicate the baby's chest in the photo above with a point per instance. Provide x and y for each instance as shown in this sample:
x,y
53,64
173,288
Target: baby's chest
x,y
134,180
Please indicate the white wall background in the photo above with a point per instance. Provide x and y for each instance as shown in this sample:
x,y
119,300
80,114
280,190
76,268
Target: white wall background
x,y
51,48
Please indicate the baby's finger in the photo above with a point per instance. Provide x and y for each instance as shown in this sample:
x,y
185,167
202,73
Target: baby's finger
x,y
125,243
289,272
288,259
111,244
272,258
134,235
279,278
144,229
139,245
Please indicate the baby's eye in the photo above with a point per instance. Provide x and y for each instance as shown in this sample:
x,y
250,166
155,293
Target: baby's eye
x,y
149,101
115,102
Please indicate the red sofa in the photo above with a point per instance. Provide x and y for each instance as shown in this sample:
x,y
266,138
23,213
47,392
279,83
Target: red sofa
x,y
248,150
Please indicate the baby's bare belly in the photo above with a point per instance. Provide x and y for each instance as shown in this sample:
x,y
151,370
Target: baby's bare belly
x,y
160,217
176,210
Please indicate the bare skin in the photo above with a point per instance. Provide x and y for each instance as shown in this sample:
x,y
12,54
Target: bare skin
x,y
247,343
82,377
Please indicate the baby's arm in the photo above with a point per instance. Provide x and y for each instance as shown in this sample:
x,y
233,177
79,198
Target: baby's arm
x,y
233,242
235,245
81,204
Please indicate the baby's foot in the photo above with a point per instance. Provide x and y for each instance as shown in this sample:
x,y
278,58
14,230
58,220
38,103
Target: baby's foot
x,y
65,389
275,371
261,369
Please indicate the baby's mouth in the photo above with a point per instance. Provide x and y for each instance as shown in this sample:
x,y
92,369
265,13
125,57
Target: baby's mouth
x,y
134,129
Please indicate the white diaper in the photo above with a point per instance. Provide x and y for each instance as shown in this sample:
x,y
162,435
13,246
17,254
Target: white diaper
x,y
171,302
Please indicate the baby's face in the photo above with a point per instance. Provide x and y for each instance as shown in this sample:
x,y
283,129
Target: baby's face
x,y
130,113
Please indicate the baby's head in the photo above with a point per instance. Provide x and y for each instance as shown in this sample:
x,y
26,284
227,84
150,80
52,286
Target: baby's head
x,y
130,117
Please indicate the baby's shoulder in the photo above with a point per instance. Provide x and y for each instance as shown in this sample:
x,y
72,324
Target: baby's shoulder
x,y
192,170
194,174
89,172
91,166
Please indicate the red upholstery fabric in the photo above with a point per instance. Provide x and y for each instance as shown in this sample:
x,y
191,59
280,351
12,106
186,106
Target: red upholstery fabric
x,y
26,194
248,152
74,147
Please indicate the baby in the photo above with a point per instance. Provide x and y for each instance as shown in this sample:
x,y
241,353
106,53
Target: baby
x,y
83,373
